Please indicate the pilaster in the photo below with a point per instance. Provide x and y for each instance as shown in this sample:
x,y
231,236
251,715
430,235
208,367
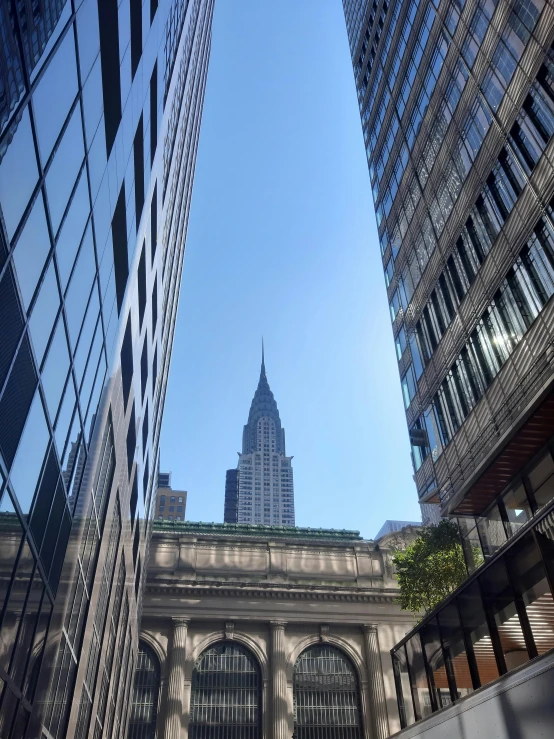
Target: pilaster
x,y
176,681
377,698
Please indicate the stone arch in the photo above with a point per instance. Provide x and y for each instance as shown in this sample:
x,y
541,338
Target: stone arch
x,y
147,688
238,636
327,693
151,641
333,640
227,692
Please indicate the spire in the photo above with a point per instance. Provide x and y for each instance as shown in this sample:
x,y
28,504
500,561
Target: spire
x,y
262,369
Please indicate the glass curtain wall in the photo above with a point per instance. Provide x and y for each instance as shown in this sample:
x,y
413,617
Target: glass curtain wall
x,y
501,618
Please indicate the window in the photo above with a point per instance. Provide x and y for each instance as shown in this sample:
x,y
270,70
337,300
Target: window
x,y
226,694
326,695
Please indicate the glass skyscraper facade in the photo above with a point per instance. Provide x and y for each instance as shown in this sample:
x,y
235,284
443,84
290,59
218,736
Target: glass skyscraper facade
x,y
100,109
261,489
457,108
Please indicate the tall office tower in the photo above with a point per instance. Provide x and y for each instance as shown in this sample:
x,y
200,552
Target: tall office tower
x,y
230,513
457,108
100,109
262,490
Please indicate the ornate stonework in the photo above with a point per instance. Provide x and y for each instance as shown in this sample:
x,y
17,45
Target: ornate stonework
x,y
276,593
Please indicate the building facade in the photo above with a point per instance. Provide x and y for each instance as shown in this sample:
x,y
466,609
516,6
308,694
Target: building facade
x,y
100,109
263,487
253,631
457,108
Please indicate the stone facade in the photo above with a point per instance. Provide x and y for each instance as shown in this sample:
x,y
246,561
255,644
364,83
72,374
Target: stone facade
x,y
276,591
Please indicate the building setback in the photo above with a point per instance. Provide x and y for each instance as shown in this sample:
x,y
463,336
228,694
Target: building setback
x,y
262,491
457,108
100,109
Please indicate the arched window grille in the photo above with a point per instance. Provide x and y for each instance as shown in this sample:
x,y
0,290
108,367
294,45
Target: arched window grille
x,y
226,699
326,695
146,690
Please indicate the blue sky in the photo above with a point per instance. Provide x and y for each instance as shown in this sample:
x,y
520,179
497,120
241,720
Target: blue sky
x,y
282,242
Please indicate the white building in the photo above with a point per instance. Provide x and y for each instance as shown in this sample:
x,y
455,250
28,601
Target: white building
x,y
265,480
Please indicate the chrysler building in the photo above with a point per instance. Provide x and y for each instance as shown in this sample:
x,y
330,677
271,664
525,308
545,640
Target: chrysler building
x,y
261,490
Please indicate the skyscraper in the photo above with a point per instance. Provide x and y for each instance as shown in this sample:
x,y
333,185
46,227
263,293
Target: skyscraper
x,y
262,491
100,109
457,108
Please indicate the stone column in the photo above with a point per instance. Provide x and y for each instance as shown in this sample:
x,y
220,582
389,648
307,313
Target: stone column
x,y
176,682
279,681
377,698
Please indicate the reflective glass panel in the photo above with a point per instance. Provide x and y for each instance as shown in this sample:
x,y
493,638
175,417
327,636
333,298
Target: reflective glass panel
x,y
55,370
54,95
418,676
454,648
31,251
72,230
79,288
430,638
499,600
15,606
403,690
529,579
44,312
64,168
493,534
30,455
18,174
542,481
477,632
517,507
12,532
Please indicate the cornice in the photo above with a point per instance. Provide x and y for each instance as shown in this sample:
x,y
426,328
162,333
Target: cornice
x,y
223,589
255,530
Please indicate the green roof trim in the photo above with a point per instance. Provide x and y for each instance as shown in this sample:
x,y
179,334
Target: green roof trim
x,y
255,529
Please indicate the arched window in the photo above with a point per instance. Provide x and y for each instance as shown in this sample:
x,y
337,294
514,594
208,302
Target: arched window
x,y
326,695
226,701
146,690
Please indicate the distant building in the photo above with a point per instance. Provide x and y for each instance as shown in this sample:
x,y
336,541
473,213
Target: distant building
x,y
390,527
230,514
264,487
170,504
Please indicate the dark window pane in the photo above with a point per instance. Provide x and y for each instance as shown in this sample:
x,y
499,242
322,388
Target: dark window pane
x,y
499,600
144,366
142,284
430,638
477,632
530,582
127,362
418,676
14,608
11,323
454,648
542,481
403,690
12,533
119,237
517,507
131,441
111,85
16,400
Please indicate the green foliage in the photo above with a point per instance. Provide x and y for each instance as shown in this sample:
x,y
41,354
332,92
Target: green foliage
x,y
431,568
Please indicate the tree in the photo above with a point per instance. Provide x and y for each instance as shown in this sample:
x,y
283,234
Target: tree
x,y
431,568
